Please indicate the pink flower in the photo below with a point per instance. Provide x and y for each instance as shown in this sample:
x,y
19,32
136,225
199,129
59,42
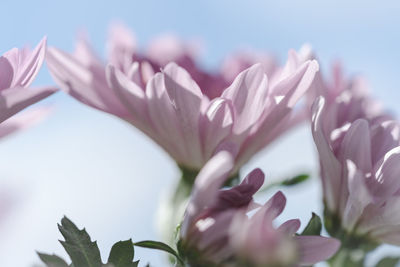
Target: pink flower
x,y
217,228
176,110
18,69
359,148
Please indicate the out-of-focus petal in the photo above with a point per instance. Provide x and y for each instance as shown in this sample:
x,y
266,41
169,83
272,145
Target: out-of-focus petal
x,y
242,194
290,227
75,79
23,120
208,182
14,100
314,249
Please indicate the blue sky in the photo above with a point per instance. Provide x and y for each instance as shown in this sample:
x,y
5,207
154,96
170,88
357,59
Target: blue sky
x,y
83,156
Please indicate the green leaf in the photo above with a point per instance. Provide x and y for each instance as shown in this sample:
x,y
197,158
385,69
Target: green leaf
x,y
122,254
83,252
295,180
388,262
52,260
314,226
287,182
160,246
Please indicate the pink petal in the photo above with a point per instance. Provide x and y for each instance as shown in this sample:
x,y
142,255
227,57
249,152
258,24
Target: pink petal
x,y
242,194
314,249
330,166
290,227
356,145
384,137
165,120
88,85
131,95
273,208
387,180
248,92
16,99
26,67
23,121
6,73
121,46
186,98
207,183
359,196
215,125
285,94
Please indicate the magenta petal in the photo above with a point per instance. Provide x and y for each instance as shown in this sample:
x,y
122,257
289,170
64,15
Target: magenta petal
x,y
274,206
314,249
16,99
241,195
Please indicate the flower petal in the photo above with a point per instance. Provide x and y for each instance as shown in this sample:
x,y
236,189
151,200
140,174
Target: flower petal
x,y
330,166
26,64
22,121
248,92
359,196
356,145
186,98
215,125
387,180
290,227
242,194
16,99
206,186
88,84
314,249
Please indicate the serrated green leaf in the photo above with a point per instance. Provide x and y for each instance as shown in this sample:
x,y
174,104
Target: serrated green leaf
x,y
52,260
388,262
82,251
122,254
160,246
314,226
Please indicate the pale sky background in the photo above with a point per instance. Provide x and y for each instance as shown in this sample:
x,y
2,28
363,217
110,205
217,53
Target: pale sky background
x,y
107,176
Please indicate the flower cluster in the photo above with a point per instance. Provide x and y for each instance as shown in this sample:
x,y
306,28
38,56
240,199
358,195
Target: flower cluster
x,y
180,107
213,122
217,229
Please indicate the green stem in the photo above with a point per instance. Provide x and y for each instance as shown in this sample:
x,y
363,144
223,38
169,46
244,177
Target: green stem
x,y
348,257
